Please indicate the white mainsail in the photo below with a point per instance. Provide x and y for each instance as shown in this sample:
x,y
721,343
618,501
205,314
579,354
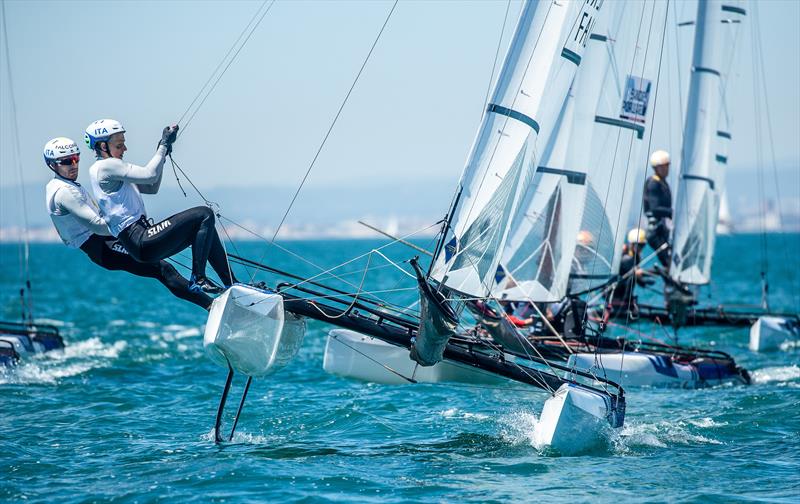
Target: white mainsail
x,y
706,139
622,117
545,52
538,253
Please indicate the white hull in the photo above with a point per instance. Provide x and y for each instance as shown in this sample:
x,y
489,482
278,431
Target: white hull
x,y
249,330
355,355
633,369
574,420
769,333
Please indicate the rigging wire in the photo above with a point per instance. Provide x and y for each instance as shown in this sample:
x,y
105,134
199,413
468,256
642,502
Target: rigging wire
x,y
335,119
756,25
655,105
474,261
759,160
230,61
496,57
25,273
619,140
442,235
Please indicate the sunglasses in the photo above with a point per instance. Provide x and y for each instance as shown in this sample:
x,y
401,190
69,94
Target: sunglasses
x,y
69,160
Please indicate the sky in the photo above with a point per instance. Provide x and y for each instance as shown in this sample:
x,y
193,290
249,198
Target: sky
x,y
409,122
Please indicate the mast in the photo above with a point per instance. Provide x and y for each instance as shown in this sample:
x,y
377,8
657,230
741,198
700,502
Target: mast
x,y
706,139
545,52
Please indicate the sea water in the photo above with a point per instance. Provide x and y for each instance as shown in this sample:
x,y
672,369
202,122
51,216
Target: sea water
x,y
126,412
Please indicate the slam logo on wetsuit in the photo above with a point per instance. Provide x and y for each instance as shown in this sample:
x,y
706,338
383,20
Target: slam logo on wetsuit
x,y
152,231
117,247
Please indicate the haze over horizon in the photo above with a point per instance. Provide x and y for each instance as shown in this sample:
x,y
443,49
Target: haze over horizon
x,y
400,144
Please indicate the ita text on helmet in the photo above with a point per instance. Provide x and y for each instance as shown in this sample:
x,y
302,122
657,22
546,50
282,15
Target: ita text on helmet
x,y
62,156
100,131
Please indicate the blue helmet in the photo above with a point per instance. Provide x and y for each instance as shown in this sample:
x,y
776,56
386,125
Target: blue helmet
x,y
101,130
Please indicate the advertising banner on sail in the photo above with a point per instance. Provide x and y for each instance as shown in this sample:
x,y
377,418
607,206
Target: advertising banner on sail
x,y
635,99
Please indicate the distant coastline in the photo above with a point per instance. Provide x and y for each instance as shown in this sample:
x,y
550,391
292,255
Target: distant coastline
x,y
349,230
345,230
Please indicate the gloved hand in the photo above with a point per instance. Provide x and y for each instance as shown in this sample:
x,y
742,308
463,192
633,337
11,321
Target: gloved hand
x,y
168,137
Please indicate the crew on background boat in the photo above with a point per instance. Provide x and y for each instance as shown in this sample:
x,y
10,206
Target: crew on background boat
x,y
658,206
78,222
621,301
118,186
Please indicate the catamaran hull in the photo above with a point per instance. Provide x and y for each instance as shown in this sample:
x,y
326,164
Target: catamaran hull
x,y
769,333
355,355
18,341
249,330
635,369
575,420
712,315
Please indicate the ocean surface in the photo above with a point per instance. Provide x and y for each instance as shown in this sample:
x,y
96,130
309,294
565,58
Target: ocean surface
x,y
126,412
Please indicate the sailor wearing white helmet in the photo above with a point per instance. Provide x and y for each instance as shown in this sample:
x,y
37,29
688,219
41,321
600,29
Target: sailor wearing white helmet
x,y
621,301
118,187
658,206
78,222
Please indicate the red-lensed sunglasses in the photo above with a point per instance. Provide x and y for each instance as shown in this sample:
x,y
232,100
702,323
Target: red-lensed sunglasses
x,y
69,160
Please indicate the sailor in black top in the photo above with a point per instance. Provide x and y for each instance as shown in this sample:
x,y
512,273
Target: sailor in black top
x,y
621,301
658,206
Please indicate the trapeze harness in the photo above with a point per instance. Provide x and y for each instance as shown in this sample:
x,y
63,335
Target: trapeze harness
x,y
117,186
658,208
77,220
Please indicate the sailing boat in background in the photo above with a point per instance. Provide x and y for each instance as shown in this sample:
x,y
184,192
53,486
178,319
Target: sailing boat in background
x,y
25,338
544,261
725,220
700,200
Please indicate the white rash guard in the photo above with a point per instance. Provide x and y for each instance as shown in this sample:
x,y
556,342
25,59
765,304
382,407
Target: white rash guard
x,y
74,213
117,186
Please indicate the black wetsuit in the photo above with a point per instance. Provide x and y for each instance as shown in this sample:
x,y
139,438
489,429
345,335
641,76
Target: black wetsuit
x,y
622,301
658,208
107,252
193,227
119,185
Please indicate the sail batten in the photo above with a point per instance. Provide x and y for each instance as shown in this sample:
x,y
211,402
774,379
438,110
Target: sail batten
x,y
705,150
622,118
545,52
564,235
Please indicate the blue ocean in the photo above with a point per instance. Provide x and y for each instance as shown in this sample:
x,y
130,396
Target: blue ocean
x,y
126,411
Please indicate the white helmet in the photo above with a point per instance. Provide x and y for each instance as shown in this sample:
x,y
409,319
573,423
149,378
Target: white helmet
x,y
637,235
101,130
58,148
659,158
